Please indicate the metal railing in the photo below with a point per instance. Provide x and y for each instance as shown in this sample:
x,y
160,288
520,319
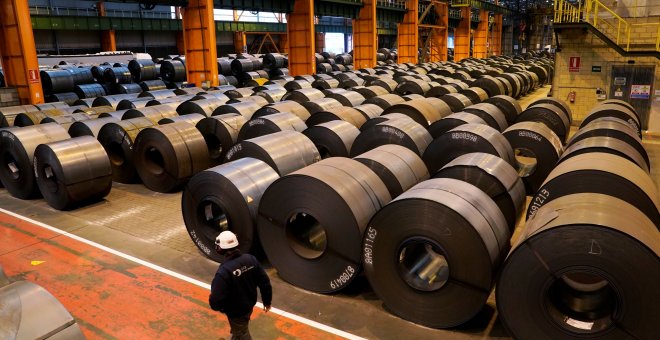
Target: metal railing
x,y
93,12
608,22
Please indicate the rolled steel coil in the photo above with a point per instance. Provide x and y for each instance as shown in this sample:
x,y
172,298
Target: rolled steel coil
x,y
173,71
369,110
424,111
280,74
324,84
240,92
404,132
344,59
515,82
398,167
261,126
304,95
136,103
451,121
582,263
475,94
550,115
117,139
562,105
99,111
97,71
204,107
599,172
506,85
285,151
34,117
612,127
537,150
347,98
490,113
81,75
616,111
239,66
113,100
386,83
456,101
605,145
439,91
224,67
167,156
283,106
90,127
153,113
385,101
220,133
466,139
189,91
495,177
16,160
126,88
297,85
622,103
157,94
57,81
319,247
322,104
171,101
73,172
49,106
370,91
245,109
272,96
274,61
142,69
67,119
507,105
351,83
152,85
371,122
306,77
117,75
258,99
226,197
443,275
347,114
333,138
90,90
192,118
67,97
413,86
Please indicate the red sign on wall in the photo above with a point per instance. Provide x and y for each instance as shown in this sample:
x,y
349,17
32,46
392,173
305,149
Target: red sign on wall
x,y
33,76
574,64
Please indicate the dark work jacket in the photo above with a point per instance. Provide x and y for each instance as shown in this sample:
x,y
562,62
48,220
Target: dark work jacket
x,y
234,287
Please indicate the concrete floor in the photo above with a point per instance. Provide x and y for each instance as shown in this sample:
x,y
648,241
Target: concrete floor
x,y
149,226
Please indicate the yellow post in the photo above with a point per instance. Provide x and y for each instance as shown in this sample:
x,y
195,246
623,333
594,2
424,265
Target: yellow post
x,y
19,55
408,34
200,43
364,36
301,34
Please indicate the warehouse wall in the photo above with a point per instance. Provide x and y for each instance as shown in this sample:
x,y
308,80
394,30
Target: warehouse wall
x,y
594,52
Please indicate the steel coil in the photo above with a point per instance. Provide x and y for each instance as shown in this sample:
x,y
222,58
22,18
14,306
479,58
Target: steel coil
x,y
404,132
311,222
67,97
226,197
97,71
16,159
413,86
57,81
34,117
369,110
605,145
451,121
615,111
73,172
272,96
297,85
347,98
322,104
117,139
153,113
90,91
385,101
142,69
398,167
603,173
333,138
324,84
285,151
424,111
490,113
370,91
448,238
90,127
347,114
157,94
167,156
475,94
495,177
466,139
274,61
204,107
173,71
507,105
81,75
220,133
240,92
586,267
152,85
192,118
126,88
117,75
304,95
261,126
386,83
245,109
171,101
550,115
113,100
66,120
439,91
283,106
456,101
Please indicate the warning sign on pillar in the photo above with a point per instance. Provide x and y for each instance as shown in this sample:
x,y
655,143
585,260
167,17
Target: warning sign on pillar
x,y
33,76
574,64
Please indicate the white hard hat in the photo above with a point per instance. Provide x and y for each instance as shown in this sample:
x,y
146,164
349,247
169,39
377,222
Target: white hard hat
x,y
226,240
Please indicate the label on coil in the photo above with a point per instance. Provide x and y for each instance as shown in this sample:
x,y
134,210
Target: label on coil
x,y
538,201
393,131
369,241
257,122
236,148
343,278
579,324
528,134
464,135
199,243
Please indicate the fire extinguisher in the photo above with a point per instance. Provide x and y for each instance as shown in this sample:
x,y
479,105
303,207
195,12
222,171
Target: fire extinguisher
x,y
571,97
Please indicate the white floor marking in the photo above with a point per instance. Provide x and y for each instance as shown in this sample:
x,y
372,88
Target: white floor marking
x,y
166,271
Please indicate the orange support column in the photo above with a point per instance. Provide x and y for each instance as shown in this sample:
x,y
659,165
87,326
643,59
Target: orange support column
x,y
200,43
180,43
408,34
481,36
301,34
108,41
496,37
284,43
320,42
440,35
462,35
364,36
240,42
19,55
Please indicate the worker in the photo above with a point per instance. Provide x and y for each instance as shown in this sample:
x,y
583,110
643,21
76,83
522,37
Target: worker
x,y
234,287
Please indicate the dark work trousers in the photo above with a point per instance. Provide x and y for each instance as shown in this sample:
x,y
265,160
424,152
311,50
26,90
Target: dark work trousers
x,y
239,327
